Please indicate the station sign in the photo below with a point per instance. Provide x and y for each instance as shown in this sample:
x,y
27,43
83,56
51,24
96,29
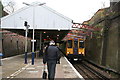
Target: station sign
x,y
33,40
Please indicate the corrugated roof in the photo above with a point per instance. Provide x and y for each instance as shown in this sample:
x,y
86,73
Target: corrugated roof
x,y
42,17
44,6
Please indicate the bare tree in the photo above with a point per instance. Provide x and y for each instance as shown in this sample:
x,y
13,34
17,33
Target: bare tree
x,y
10,6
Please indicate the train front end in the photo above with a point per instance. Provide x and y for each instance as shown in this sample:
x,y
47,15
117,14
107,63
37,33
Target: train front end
x,y
75,48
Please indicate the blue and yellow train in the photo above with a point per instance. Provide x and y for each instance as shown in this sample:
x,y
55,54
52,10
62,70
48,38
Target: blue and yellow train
x,y
75,48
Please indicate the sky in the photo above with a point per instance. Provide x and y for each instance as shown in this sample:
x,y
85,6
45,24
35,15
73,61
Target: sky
x,y
77,10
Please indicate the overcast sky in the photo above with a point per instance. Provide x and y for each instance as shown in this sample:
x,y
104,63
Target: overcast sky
x,y
77,10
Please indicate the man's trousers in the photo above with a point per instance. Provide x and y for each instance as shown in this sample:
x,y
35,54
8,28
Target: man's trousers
x,y
51,65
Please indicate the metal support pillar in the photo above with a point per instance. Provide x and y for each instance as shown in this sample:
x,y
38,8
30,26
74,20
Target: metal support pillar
x,y
40,40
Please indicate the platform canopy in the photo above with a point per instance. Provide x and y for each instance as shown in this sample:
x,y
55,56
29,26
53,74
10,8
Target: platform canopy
x,y
45,21
39,17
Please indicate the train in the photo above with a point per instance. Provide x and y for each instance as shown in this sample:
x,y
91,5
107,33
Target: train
x,y
75,48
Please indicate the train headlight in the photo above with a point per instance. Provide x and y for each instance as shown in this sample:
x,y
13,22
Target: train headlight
x,y
68,52
82,52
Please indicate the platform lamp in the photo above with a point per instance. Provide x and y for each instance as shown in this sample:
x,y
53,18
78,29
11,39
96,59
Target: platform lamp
x,y
33,40
26,40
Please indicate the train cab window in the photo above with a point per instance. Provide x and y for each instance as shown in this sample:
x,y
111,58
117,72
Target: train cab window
x,y
75,44
69,44
81,44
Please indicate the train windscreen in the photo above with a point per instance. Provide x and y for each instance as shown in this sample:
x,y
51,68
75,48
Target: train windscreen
x,y
69,43
81,44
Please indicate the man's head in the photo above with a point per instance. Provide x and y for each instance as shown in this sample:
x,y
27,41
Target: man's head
x,y
52,42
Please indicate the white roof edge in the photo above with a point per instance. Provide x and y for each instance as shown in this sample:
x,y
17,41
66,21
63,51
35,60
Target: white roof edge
x,y
38,29
44,6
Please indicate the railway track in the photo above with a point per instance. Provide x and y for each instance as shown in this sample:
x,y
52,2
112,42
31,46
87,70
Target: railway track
x,y
89,72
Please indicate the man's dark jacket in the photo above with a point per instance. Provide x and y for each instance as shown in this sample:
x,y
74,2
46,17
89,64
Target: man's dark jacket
x,y
51,53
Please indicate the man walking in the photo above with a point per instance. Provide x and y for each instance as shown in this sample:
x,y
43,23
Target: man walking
x,y
51,56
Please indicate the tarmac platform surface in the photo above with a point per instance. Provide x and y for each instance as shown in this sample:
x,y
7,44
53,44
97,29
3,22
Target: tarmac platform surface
x,y
14,68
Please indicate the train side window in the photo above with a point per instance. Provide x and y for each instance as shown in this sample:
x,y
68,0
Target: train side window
x,y
81,44
69,43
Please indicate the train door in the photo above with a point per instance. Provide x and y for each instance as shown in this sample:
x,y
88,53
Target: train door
x,y
81,47
75,49
69,47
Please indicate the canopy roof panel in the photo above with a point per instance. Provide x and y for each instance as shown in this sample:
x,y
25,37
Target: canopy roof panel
x,y
39,17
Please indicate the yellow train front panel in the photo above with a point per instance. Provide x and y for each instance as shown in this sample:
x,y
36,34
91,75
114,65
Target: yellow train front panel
x,y
69,51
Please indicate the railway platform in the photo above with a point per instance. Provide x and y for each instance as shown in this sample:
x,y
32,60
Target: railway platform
x,y
13,68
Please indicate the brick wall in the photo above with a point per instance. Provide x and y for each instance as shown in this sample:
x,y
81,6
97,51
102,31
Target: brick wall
x,y
106,49
13,44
